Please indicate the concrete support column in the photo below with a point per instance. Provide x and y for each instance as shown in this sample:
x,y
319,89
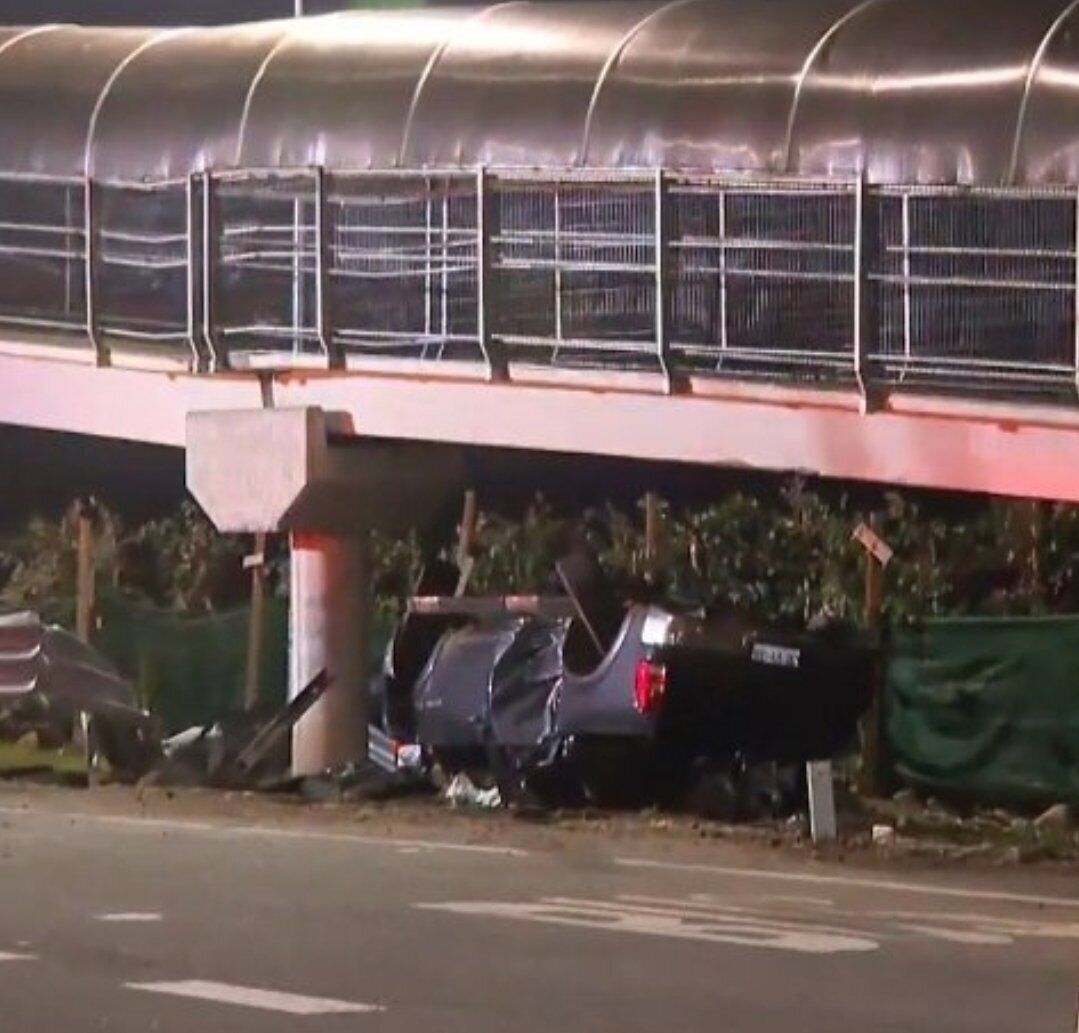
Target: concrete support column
x,y
329,626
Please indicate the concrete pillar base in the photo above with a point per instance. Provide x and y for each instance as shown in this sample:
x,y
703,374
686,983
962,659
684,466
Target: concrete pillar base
x,y
329,621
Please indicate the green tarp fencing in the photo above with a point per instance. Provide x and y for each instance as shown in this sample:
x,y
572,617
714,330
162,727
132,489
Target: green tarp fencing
x,y
190,669
987,709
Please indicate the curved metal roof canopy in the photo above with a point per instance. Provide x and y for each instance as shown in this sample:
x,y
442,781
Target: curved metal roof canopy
x,y
967,91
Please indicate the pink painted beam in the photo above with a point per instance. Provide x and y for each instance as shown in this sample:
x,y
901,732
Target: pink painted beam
x,y
933,442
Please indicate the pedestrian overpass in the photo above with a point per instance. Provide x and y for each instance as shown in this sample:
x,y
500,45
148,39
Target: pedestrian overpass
x,y
831,237
818,235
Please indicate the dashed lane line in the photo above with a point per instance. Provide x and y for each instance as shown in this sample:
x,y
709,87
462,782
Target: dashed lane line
x,y
268,831
10,956
819,879
254,997
129,916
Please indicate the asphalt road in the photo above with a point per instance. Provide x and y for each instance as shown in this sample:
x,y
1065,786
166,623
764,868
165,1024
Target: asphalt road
x,y
118,923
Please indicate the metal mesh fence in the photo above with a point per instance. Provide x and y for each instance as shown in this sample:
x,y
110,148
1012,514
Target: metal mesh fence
x,y
402,264
967,289
141,272
763,278
42,257
977,286
574,271
263,264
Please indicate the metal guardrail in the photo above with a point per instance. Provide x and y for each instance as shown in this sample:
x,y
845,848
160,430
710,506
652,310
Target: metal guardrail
x,y
966,289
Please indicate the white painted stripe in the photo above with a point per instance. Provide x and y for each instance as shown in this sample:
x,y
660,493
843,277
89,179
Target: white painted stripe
x,y
315,835
815,879
251,997
735,932
7,956
267,831
129,916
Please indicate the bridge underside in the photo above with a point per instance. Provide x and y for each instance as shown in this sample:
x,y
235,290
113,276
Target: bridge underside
x,y
919,441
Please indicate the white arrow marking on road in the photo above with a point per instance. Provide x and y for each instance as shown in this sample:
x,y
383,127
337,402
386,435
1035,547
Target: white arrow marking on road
x,y
741,930
251,997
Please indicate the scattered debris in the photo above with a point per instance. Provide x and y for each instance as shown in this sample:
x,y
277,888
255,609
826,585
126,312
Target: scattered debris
x,y
53,684
883,835
462,791
1059,816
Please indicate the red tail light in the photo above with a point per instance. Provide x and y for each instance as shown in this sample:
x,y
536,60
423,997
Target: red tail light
x,y
649,686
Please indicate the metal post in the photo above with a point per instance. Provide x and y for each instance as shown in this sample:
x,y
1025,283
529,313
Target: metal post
x,y
70,243
90,218
821,792
428,241
323,294
858,285
722,277
298,315
662,295
485,219
906,279
557,268
444,301
192,225
1076,328
218,359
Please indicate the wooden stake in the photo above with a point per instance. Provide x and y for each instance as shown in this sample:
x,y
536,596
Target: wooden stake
x,y
873,730
85,582
652,525
256,622
466,540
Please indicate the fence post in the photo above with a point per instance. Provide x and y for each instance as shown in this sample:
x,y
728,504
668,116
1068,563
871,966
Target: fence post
x,y
466,540
90,259
877,554
194,250
486,228
653,521
218,356
256,622
1076,293
858,328
85,578
661,206
866,240
323,294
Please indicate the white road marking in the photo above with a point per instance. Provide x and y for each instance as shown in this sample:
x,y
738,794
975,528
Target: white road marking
x,y
251,997
267,831
816,879
970,937
315,835
9,956
741,931
988,926
129,916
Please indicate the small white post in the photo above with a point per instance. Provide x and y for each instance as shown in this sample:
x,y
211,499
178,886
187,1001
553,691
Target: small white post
x,y
822,821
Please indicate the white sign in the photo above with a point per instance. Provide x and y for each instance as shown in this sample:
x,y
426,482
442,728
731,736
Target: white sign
x,y
776,656
872,542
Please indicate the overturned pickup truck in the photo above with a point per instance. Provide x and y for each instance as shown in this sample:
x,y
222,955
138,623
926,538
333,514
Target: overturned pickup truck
x,y
577,698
